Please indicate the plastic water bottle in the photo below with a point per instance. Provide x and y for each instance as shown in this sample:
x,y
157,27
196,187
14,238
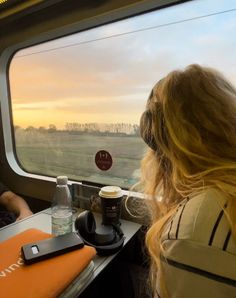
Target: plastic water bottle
x,y
62,208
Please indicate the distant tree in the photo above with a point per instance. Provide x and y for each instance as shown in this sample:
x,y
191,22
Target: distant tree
x,y
30,128
42,129
52,128
136,130
74,126
68,126
16,127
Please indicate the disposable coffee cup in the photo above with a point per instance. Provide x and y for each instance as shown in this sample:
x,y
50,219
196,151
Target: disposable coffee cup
x,y
111,198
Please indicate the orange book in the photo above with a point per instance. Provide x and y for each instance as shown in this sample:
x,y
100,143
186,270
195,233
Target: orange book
x,y
44,279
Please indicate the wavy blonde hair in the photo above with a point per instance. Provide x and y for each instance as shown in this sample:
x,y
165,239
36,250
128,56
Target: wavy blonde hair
x,y
190,124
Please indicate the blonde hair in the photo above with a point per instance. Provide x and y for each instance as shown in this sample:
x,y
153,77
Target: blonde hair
x,y
190,124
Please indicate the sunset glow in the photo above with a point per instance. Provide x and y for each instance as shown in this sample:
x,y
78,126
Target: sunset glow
x,y
105,74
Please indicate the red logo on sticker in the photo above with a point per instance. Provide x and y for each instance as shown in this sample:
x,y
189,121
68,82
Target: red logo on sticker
x,y
103,160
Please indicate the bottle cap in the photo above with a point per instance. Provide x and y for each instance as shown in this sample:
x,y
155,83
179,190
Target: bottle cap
x,y
111,192
62,180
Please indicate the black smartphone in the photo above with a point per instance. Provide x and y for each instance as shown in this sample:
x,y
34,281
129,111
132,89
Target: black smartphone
x,y
44,249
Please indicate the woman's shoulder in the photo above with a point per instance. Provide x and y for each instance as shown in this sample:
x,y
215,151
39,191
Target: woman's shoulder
x,y
198,249
201,219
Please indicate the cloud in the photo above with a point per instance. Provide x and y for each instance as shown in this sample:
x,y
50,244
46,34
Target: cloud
x,y
113,76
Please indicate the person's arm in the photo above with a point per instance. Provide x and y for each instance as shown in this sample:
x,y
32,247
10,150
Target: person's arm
x,y
15,204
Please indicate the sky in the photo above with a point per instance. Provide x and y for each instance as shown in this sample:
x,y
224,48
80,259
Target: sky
x,y
105,74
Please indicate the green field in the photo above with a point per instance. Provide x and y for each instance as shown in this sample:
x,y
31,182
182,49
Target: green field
x,y
61,153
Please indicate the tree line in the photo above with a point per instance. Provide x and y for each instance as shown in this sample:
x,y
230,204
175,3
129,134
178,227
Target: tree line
x,y
87,128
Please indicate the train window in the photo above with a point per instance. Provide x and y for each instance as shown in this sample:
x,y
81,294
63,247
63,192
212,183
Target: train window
x,y
76,101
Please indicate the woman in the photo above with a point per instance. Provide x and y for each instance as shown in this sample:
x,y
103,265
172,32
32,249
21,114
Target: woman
x,y
190,126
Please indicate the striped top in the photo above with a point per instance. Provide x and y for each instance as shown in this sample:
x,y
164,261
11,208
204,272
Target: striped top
x,y
199,258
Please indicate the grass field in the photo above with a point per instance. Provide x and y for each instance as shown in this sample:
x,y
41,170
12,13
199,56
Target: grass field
x,y
61,153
